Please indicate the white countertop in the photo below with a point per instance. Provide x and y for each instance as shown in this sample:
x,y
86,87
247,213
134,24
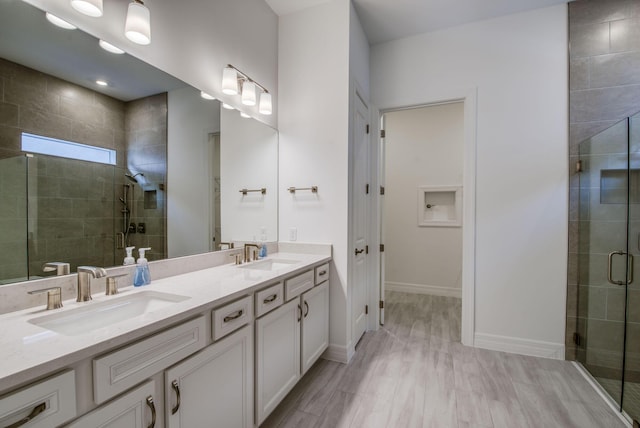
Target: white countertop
x,y
28,351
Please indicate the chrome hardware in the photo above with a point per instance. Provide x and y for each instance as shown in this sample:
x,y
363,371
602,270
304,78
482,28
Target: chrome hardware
x,y
263,191
299,313
322,273
359,251
247,252
35,412
60,268
629,268
314,189
54,296
85,273
176,388
235,316
306,305
270,298
112,284
152,406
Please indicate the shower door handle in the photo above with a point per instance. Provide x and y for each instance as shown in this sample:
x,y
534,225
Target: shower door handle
x,y
629,268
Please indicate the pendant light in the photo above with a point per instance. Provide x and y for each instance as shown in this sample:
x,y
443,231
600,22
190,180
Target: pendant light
x,y
137,27
229,81
249,93
265,104
91,8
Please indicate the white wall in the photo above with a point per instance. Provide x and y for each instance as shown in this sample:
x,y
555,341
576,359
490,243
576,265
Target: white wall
x,y
519,65
248,160
423,147
313,64
190,119
194,40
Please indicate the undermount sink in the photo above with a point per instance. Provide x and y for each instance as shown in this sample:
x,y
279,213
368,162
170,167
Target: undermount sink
x,y
92,316
269,264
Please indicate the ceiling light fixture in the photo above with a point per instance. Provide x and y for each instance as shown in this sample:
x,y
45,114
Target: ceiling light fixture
x,y
110,48
102,83
232,78
244,115
228,106
91,8
59,22
206,96
137,27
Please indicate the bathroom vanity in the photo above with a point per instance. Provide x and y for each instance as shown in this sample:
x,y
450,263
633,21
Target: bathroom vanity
x,y
218,346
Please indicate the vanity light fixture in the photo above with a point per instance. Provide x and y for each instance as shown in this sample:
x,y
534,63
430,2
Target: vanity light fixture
x,y
91,8
110,48
232,78
228,106
137,26
59,22
206,96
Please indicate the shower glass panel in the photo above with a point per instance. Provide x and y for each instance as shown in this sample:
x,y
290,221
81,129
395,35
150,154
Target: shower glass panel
x,y
71,214
13,220
603,256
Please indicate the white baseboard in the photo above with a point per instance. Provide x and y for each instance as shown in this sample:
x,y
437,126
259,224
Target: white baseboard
x,y
433,290
515,345
337,353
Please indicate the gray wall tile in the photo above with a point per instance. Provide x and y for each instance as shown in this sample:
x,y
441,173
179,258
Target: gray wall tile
x,y
625,34
588,40
615,70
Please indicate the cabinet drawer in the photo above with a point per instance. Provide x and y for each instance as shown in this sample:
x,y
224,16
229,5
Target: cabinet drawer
x,y
268,299
231,317
48,403
122,369
322,273
297,285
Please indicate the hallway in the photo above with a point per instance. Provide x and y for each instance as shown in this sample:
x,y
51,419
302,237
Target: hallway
x,y
414,372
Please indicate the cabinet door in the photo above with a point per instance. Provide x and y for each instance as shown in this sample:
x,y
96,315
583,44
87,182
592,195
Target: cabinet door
x,y
214,387
135,409
315,324
277,356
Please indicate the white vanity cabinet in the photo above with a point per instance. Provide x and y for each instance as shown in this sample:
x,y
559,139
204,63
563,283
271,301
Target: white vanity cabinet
x,y
315,324
135,409
214,387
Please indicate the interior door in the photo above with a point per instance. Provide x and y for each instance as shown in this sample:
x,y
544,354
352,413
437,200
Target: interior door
x,y
360,220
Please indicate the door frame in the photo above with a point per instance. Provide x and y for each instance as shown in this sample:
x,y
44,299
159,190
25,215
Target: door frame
x,y
469,97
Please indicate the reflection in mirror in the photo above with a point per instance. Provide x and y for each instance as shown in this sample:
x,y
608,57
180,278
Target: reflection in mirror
x,y
165,188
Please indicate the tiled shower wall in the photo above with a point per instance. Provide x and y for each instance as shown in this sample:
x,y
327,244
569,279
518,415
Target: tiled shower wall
x,y
604,85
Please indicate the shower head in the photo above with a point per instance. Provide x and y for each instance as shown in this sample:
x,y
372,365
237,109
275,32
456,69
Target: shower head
x,y
132,178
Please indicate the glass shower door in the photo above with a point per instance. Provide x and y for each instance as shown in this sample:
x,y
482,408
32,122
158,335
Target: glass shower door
x,y
604,267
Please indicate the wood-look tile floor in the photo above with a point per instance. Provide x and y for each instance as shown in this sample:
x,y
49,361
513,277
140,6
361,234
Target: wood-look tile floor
x,y
414,372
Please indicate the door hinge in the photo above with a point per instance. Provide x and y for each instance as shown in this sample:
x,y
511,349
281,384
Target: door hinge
x,y
381,304
382,190
577,339
383,133
366,249
382,248
367,128
367,188
579,166
366,309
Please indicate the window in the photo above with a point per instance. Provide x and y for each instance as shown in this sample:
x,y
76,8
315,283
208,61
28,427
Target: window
x,y
67,149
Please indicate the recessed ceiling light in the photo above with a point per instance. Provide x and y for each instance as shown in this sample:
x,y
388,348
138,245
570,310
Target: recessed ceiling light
x,y
102,82
227,106
206,96
59,22
110,48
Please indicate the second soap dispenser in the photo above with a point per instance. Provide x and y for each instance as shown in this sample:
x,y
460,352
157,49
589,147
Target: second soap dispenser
x,y
142,275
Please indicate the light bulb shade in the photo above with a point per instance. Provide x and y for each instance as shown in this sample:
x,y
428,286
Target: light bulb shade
x,y
206,96
137,27
249,93
59,22
244,115
265,103
229,81
227,106
91,8
110,48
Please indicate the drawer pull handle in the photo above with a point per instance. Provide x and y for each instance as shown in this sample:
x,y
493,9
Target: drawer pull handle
x,y
176,388
306,305
270,299
153,411
322,273
35,412
299,313
234,316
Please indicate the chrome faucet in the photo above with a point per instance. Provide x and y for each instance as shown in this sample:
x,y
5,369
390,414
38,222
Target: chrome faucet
x,y
247,252
85,273
60,268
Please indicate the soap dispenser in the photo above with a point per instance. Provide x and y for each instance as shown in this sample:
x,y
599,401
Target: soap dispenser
x,y
142,275
129,260
263,243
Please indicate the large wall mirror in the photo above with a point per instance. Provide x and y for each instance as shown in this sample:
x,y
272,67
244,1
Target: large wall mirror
x,y
182,175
